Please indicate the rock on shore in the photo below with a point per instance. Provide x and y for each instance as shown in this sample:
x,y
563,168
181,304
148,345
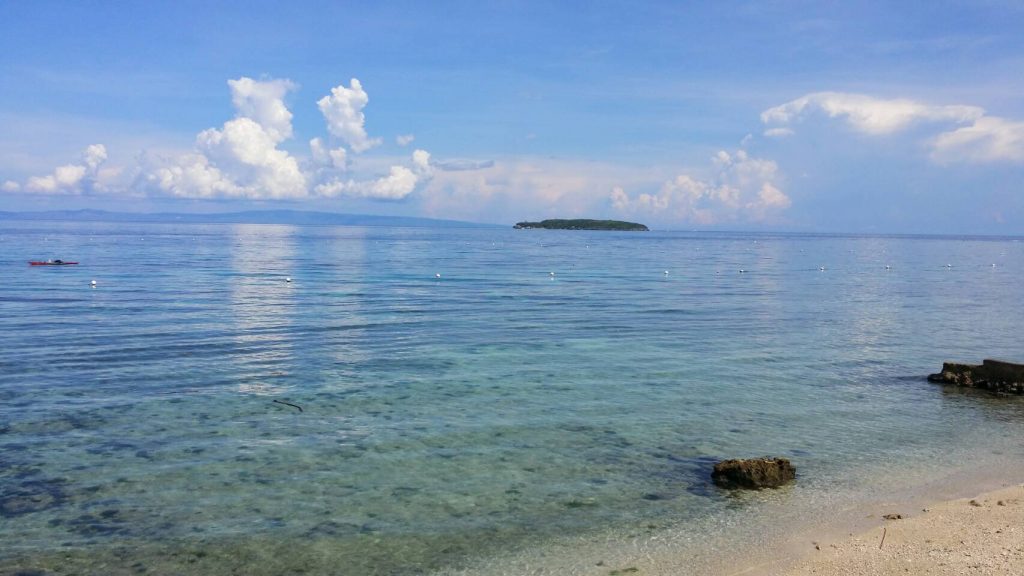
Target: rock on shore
x,y
993,375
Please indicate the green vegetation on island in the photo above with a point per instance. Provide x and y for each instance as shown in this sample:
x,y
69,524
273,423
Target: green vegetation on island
x,y
583,224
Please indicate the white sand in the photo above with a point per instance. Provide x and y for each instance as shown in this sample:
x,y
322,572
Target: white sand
x,y
980,535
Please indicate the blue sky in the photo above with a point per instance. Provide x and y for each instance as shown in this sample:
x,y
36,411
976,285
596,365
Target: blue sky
x,y
817,116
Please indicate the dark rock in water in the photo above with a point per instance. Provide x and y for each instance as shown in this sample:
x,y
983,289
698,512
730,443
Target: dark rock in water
x,y
755,473
993,375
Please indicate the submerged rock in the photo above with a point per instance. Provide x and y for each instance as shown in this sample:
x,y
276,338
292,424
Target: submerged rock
x,y
993,375
754,473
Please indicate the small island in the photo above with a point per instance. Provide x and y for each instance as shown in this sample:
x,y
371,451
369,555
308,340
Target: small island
x,y
582,224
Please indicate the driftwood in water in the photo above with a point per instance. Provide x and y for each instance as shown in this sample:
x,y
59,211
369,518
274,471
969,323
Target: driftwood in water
x,y
289,404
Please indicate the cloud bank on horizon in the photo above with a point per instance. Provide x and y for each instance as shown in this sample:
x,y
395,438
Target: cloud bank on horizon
x,y
246,159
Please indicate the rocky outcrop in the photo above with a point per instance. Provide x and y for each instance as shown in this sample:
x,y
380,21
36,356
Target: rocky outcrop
x,y
994,375
755,473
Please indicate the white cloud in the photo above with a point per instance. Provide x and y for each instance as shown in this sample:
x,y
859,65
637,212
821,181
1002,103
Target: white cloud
x,y
399,183
743,188
241,159
421,162
322,156
989,139
192,176
248,153
977,139
263,102
70,178
10,186
94,155
396,185
343,111
404,139
868,114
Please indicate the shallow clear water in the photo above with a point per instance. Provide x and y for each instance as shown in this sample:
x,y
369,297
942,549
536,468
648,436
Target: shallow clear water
x,y
496,411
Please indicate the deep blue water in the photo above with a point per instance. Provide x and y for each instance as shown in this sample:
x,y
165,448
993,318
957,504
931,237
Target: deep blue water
x,y
548,386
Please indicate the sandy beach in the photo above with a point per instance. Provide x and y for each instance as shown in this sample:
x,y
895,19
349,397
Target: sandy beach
x,y
979,535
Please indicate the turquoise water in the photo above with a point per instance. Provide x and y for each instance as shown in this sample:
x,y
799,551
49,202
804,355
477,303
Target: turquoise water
x,y
496,411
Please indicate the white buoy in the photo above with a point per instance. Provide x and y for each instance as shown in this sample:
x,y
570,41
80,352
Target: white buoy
x,y
93,283
949,265
821,268
666,272
288,279
742,271
993,265
887,267
438,275
551,273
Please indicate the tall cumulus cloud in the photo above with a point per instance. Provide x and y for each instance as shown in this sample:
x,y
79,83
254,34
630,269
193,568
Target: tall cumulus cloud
x,y
244,158
343,111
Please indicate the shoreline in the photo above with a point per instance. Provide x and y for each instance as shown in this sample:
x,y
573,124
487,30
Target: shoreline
x,y
940,532
792,534
951,526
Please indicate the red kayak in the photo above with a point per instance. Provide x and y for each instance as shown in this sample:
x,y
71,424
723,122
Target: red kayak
x,y
50,263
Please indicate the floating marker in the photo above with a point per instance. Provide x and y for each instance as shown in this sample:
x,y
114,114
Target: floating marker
x,y
887,267
93,283
821,268
288,279
551,273
438,275
666,272
742,271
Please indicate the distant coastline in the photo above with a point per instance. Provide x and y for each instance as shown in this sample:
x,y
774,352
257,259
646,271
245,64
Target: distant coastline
x,y
583,224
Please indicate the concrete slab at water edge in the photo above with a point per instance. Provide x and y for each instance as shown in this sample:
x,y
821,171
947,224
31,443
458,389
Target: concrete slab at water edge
x,y
994,375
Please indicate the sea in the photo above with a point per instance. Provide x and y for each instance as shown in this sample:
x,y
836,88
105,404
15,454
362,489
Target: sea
x,y
275,399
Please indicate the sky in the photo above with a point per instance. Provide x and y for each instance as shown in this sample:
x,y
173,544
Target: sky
x,y
874,117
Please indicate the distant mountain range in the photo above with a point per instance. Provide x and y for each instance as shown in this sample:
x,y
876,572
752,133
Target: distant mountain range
x,y
245,217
